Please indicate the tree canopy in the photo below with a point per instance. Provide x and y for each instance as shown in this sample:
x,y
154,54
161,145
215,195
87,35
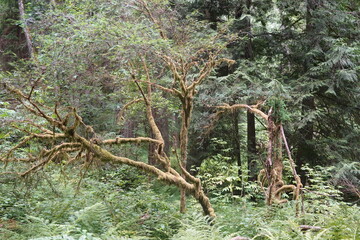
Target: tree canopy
x,y
250,102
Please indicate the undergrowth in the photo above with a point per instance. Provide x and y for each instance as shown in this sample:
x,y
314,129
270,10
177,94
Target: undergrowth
x,y
120,203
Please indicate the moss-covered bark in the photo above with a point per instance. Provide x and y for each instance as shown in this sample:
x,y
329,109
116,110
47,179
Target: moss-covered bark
x,y
73,142
271,176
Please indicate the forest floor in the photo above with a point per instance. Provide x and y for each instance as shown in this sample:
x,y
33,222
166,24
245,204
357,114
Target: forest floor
x,y
122,203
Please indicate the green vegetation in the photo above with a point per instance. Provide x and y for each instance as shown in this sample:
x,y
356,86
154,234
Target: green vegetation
x,y
179,119
121,203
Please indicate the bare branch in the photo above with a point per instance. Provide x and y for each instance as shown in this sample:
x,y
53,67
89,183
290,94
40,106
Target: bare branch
x,y
176,75
152,18
130,140
121,113
292,164
165,89
35,109
22,143
28,122
251,108
52,154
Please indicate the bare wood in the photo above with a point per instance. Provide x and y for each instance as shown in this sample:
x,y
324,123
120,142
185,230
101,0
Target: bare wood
x,y
273,165
184,181
162,88
47,134
130,140
121,113
251,108
176,75
285,188
186,93
299,185
41,128
154,128
308,227
106,156
35,109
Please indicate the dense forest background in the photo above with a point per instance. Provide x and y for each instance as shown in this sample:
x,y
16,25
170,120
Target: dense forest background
x,y
180,119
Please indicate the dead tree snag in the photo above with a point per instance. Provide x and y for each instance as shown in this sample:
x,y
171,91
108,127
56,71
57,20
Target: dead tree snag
x,y
272,174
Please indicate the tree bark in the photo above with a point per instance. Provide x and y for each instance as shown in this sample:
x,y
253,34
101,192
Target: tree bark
x,y
305,151
272,173
26,29
163,122
236,141
161,119
184,139
244,7
251,145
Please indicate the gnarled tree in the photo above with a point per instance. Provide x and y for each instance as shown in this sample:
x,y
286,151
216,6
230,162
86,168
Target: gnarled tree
x,y
164,48
272,175
64,130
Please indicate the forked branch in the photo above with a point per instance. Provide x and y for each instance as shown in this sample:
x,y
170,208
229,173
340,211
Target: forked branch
x,y
66,140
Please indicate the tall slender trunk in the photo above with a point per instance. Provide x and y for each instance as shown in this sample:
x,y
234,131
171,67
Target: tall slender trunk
x,y
305,151
163,123
244,8
236,146
26,29
251,146
236,141
251,131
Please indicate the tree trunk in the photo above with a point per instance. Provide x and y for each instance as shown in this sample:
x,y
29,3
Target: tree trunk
x,y
163,123
26,29
237,148
184,139
162,120
70,141
251,146
274,165
236,141
305,151
244,7
271,175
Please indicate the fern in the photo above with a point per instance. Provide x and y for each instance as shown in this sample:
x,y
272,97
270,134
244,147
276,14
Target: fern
x,y
40,228
94,219
198,227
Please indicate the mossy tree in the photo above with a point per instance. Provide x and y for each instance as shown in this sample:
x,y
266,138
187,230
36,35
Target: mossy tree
x,y
271,177
152,55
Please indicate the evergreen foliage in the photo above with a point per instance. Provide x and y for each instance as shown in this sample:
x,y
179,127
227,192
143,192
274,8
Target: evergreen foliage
x,y
298,60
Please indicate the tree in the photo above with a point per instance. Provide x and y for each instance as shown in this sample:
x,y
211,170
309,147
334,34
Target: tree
x,y
321,62
158,48
272,174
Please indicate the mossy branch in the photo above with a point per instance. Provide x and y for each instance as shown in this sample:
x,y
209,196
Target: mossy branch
x,y
75,143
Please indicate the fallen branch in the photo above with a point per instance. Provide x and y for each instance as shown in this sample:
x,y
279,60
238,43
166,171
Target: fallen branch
x,y
308,227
